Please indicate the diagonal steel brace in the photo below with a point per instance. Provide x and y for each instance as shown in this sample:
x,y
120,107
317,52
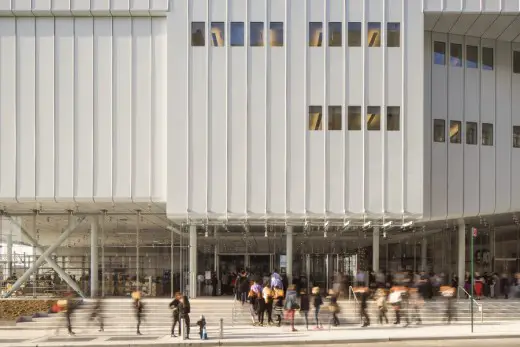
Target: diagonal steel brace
x,y
45,257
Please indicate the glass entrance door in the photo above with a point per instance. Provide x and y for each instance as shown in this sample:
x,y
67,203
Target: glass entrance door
x,y
506,265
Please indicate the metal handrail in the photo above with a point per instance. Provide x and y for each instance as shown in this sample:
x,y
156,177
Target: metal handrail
x,y
471,301
233,310
351,290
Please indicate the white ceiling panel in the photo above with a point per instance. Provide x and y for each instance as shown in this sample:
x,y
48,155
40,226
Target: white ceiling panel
x,y
511,32
429,20
463,24
446,22
481,25
498,27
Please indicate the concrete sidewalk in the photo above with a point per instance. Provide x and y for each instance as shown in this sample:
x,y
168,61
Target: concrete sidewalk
x,y
262,336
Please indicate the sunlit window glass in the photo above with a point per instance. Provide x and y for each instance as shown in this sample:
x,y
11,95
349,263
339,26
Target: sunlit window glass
x,y
276,34
218,38
374,34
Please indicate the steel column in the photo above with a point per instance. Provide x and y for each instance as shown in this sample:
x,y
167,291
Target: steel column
x,y
289,254
9,254
46,257
103,256
137,261
171,263
375,249
193,261
424,254
461,251
94,259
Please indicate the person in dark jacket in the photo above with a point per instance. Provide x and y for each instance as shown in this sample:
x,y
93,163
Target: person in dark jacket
x,y
185,314
317,303
97,313
138,307
305,307
243,286
72,305
176,306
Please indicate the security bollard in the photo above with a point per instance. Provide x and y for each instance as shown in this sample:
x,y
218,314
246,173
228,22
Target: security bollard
x,y
221,328
183,328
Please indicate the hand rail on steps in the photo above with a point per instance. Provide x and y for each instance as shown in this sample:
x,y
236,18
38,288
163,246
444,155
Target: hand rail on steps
x,y
471,301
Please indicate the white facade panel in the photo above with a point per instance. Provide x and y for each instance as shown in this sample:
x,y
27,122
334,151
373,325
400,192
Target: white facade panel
x,y
141,108
83,108
8,114
159,109
256,131
44,121
103,72
26,106
64,108
122,109
276,131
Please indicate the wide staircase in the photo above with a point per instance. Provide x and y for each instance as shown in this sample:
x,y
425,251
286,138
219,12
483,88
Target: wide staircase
x,y
119,314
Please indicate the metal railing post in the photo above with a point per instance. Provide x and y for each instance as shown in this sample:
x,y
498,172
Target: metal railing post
x,y
221,335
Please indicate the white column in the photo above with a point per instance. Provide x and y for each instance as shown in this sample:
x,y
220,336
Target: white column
x,y
193,261
375,250
9,251
289,253
424,254
461,251
94,259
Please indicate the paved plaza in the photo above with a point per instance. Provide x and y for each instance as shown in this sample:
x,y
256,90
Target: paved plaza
x,y
345,335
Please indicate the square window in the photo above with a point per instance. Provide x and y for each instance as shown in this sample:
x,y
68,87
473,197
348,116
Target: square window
x,y
487,133
471,133
487,58
315,118
516,136
472,57
335,37
354,118
373,118
516,62
237,34
315,34
354,34
439,53
393,34
393,114
256,34
334,117
456,54
198,33
374,34
218,36
455,131
439,132
276,34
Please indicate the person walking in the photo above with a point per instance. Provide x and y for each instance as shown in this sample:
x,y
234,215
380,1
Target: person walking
x,y
97,313
185,315
278,304
333,308
381,305
138,309
365,319
304,307
176,306
317,302
291,305
268,298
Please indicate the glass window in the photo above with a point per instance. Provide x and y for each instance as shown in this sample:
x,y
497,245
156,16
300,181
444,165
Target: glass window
x,y
334,117
487,133
218,36
315,34
276,32
455,131
256,34
472,57
315,118
455,54
335,34
374,34
354,34
439,132
393,34
373,118
237,34
516,62
392,118
471,133
487,58
516,136
439,53
198,32
354,118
